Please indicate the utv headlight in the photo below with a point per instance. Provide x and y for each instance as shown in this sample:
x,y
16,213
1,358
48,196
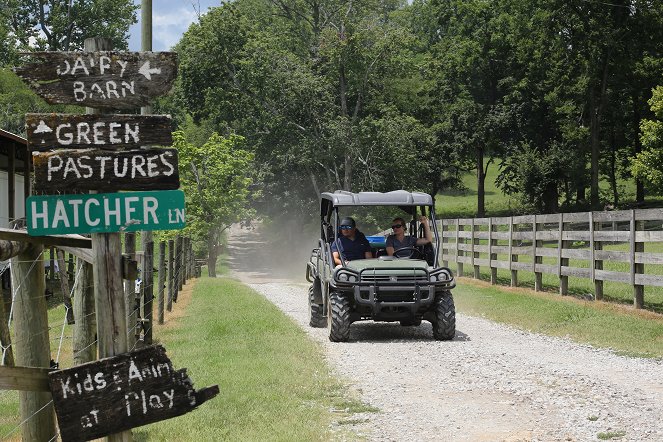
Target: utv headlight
x,y
343,277
352,278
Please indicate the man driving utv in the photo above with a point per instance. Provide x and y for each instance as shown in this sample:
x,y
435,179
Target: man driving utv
x,y
352,243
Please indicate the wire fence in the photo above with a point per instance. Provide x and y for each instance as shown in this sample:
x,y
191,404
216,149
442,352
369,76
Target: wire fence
x,y
61,334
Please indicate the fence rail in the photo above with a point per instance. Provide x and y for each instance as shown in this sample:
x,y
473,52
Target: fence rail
x,y
565,244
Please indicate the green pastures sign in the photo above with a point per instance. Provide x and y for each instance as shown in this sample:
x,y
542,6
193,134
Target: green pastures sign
x,y
105,212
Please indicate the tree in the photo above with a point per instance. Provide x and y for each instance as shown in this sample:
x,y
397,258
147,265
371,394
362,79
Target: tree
x,y
648,164
215,177
63,25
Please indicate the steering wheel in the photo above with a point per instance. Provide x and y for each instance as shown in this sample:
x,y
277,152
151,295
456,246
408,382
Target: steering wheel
x,y
408,252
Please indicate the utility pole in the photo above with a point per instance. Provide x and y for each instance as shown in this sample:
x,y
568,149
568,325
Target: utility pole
x,y
147,238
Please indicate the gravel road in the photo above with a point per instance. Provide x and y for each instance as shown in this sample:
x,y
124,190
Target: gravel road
x,y
491,383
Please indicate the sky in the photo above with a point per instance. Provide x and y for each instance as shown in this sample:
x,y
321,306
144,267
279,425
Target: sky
x,y
170,19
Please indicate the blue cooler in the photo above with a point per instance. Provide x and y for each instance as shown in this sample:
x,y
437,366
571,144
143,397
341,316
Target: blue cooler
x,y
377,241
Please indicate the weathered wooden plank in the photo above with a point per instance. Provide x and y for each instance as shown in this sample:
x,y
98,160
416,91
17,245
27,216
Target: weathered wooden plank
x,y
575,271
612,255
606,275
615,236
546,268
24,378
575,253
643,280
522,235
575,235
482,262
122,392
523,219
464,234
499,264
620,215
116,132
481,249
527,250
9,249
648,258
521,266
547,251
547,235
548,218
648,236
148,169
104,79
501,235
649,214
52,240
481,234
84,254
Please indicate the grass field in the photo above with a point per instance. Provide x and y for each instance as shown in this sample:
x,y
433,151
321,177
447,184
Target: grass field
x,y
274,382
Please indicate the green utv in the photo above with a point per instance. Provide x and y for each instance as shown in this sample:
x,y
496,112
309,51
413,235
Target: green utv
x,y
408,286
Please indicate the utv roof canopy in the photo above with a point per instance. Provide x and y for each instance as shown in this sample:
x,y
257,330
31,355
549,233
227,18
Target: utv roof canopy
x,y
400,198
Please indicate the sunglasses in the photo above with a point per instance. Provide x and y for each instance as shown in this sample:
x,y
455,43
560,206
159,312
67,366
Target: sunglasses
x,y
397,226
347,227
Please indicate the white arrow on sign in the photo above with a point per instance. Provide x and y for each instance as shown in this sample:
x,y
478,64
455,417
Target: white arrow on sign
x,y
147,72
42,128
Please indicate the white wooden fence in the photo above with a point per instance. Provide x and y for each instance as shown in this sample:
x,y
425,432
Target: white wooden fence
x,y
566,244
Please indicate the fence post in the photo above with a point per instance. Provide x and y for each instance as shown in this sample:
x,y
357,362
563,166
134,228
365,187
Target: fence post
x,y
444,240
538,276
30,315
84,342
561,260
636,268
459,253
64,285
475,241
492,256
595,264
179,262
148,286
512,258
130,290
171,276
162,279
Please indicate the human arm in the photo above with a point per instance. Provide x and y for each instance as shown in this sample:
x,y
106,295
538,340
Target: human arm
x,y
389,246
337,258
428,236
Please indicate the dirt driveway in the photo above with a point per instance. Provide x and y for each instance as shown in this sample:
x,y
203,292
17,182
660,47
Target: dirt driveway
x,y
491,383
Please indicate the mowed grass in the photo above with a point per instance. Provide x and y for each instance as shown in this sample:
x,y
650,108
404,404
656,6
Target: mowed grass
x,y
596,323
274,383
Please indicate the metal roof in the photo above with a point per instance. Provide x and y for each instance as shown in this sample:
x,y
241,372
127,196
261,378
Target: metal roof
x,y
394,198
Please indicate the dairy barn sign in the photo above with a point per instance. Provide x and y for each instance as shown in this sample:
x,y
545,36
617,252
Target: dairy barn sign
x,y
104,79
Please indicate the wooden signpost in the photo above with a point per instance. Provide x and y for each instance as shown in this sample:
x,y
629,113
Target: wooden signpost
x,y
122,392
91,169
75,153
109,132
103,79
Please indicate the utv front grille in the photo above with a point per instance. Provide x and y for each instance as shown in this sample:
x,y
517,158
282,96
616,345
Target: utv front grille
x,y
419,277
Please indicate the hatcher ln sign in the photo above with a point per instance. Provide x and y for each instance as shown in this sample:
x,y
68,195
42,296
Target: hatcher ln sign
x,y
105,212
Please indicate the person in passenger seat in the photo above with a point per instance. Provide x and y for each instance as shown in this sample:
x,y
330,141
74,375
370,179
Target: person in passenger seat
x,y
399,240
352,243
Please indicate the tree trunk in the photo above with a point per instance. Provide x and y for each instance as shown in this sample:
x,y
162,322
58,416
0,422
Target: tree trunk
x,y
213,254
481,181
635,124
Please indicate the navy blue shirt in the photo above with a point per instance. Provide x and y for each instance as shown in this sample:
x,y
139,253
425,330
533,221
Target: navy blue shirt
x,y
352,249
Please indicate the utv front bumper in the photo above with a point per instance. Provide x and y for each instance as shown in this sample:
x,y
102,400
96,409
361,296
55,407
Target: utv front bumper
x,y
397,293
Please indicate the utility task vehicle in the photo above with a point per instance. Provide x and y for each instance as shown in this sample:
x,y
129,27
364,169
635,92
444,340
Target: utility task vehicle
x,y
406,287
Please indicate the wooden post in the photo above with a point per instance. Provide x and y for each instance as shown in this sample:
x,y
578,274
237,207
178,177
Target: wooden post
x,y
130,291
178,265
162,279
30,316
636,268
181,261
475,241
51,263
445,241
84,340
171,276
459,253
512,258
110,302
538,276
64,285
492,256
597,264
561,260
148,286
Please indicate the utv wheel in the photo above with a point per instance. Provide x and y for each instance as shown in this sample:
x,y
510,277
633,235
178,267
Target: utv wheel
x,y
444,326
316,317
338,317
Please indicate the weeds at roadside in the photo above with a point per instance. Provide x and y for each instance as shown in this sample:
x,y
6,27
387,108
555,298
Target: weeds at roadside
x,y
611,435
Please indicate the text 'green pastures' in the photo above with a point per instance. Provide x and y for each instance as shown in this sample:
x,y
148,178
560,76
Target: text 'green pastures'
x,y
105,212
